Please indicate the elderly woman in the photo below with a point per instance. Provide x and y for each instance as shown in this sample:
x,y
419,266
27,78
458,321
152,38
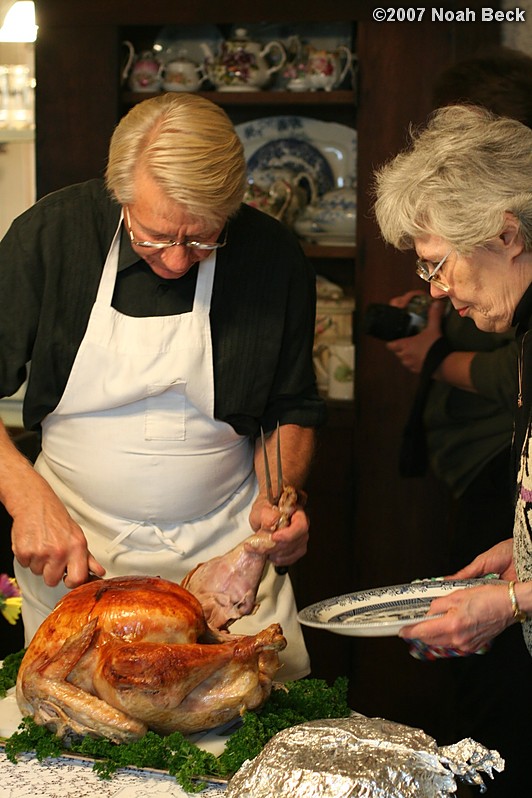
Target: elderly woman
x,y
461,197
166,323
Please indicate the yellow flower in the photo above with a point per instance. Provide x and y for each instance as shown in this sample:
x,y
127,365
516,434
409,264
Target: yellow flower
x,y
10,598
11,609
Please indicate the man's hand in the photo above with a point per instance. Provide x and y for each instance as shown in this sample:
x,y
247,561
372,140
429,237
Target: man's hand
x,y
291,541
45,538
297,448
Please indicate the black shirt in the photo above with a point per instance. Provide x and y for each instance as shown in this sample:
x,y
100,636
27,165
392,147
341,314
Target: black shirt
x,y
141,292
262,307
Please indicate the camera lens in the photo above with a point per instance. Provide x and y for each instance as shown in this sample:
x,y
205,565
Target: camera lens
x,y
388,323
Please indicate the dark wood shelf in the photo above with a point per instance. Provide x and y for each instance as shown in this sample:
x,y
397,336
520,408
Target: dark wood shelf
x,y
335,405
321,98
319,251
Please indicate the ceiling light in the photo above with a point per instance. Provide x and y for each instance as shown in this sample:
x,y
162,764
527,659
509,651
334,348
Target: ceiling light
x,y
19,23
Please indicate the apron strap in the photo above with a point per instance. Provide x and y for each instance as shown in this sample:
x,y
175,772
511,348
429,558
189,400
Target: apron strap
x,y
126,533
107,283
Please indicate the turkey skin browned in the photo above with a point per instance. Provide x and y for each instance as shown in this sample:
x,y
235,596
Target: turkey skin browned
x,y
119,656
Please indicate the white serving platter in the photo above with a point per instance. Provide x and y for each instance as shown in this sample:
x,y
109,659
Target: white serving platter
x,y
213,741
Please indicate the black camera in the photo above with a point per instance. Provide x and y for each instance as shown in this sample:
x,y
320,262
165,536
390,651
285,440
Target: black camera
x,y
389,323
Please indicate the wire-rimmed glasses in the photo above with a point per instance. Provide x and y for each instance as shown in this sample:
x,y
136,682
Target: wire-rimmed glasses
x,y
430,275
205,246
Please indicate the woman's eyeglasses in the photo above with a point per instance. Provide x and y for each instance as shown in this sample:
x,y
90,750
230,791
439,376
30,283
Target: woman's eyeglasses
x,y
430,273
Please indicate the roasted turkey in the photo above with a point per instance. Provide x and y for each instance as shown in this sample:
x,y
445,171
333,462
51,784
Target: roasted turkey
x,y
119,656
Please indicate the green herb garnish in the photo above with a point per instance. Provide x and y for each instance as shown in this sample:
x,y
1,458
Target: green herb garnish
x,y
9,670
288,705
173,753
32,737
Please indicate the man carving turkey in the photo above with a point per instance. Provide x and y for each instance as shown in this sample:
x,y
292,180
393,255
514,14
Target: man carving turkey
x,y
165,323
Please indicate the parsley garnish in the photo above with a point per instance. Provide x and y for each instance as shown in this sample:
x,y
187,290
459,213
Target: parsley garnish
x,y
9,670
288,705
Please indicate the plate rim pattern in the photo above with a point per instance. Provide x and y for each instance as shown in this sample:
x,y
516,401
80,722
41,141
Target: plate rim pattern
x,y
431,588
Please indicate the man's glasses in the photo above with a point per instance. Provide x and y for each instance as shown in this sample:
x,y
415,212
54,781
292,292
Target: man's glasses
x,y
201,245
429,273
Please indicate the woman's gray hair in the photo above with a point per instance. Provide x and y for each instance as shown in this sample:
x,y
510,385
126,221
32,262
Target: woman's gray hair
x,y
456,181
189,146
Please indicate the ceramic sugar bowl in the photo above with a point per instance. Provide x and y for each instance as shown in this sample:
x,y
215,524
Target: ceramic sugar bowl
x,y
331,220
182,74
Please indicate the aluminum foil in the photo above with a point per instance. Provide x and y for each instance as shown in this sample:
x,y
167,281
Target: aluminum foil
x,y
467,758
362,757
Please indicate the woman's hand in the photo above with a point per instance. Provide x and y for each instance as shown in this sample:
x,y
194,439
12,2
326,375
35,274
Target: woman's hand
x,y
497,560
470,618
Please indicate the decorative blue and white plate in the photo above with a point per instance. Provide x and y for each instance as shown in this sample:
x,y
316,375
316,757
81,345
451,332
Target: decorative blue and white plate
x,y
383,611
297,156
327,149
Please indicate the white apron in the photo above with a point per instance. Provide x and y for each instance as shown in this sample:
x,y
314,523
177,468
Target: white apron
x,y
135,454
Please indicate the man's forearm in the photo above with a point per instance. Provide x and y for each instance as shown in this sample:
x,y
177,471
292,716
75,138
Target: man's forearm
x,y
16,472
297,450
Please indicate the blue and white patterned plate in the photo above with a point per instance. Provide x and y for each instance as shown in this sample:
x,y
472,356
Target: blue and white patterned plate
x,y
298,156
327,149
383,611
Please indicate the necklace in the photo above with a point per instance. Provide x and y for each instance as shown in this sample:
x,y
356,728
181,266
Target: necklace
x,y
520,372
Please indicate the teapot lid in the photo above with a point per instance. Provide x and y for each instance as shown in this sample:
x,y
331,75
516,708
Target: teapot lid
x,y
148,55
241,35
181,58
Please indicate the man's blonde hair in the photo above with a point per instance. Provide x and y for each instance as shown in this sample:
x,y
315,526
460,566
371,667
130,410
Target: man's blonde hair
x,y
189,146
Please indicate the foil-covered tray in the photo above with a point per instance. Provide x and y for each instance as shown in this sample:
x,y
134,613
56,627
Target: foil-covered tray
x,y
360,756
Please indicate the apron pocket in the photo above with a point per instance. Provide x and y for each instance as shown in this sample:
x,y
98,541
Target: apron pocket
x,y
164,417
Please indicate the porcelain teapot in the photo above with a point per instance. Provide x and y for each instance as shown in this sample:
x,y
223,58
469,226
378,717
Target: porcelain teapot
x,y
182,74
241,64
299,190
326,69
144,70
274,200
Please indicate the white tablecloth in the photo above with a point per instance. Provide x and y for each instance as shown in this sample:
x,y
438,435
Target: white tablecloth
x,y
63,778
